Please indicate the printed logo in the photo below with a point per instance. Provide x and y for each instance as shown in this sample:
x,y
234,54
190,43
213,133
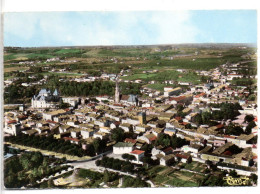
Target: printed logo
x,y
236,181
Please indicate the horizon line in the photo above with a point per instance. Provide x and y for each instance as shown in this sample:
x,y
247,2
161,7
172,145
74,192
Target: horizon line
x,y
121,45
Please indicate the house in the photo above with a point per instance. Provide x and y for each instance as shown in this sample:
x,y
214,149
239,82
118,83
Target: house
x,y
159,152
114,124
105,129
181,99
169,91
75,132
100,135
193,149
148,138
170,131
157,131
142,128
72,101
123,148
165,116
183,157
86,133
30,132
13,129
139,154
126,127
56,113
44,129
72,140
64,128
167,160
129,140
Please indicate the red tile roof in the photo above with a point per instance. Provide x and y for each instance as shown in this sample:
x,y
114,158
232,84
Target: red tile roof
x,y
50,121
129,140
229,136
138,152
177,98
227,153
168,149
117,123
219,126
118,105
148,108
199,95
178,118
153,138
12,121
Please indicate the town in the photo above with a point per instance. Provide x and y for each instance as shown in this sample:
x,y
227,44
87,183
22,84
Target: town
x,y
177,116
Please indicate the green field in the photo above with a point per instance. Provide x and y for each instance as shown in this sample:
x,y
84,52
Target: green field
x,y
158,86
142,76
163,176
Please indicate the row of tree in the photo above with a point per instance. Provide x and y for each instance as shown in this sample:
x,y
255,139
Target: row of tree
x,y
47,143
27,168
116,164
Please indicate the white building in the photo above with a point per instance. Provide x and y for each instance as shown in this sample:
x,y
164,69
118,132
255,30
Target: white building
x,y
73,101
45,99
123,148
13,129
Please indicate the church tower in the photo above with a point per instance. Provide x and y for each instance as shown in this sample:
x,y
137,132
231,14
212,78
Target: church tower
x,y
117,93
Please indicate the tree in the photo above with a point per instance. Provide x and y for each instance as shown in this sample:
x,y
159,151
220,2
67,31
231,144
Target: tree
x,y
206,116
50,183
63,105
131,157
98,162
233,173
127,168
163,139
189,160
99,145
249,118
233,130
198,119
106,177
125,156
254,178
177,142
117,134
249,127
147,160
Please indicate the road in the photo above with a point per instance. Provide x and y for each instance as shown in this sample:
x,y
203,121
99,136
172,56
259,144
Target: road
x,y
92,166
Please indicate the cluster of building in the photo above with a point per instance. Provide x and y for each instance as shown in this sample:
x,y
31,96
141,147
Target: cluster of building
x,y
146,120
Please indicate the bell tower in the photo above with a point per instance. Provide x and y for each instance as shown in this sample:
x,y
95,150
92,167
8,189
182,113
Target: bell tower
x,y
117,92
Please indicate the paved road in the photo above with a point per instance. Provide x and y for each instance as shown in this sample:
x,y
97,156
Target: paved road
x,y
92,166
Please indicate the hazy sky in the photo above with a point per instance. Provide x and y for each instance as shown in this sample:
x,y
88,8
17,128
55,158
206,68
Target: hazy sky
x,y
129,28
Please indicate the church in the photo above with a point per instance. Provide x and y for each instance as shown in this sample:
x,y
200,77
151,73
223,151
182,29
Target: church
x,y
127,99
45,99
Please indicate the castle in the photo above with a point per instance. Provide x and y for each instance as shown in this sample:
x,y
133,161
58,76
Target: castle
x,y
45,99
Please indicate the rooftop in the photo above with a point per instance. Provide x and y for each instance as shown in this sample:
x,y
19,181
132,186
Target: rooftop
x,y
137,152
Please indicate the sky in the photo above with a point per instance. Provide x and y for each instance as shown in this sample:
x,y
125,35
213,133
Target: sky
x,y
35,29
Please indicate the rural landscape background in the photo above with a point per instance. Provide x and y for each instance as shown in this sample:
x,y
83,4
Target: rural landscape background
x,y
137,107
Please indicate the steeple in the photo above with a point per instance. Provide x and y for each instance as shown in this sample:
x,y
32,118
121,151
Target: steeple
x,y
117,93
